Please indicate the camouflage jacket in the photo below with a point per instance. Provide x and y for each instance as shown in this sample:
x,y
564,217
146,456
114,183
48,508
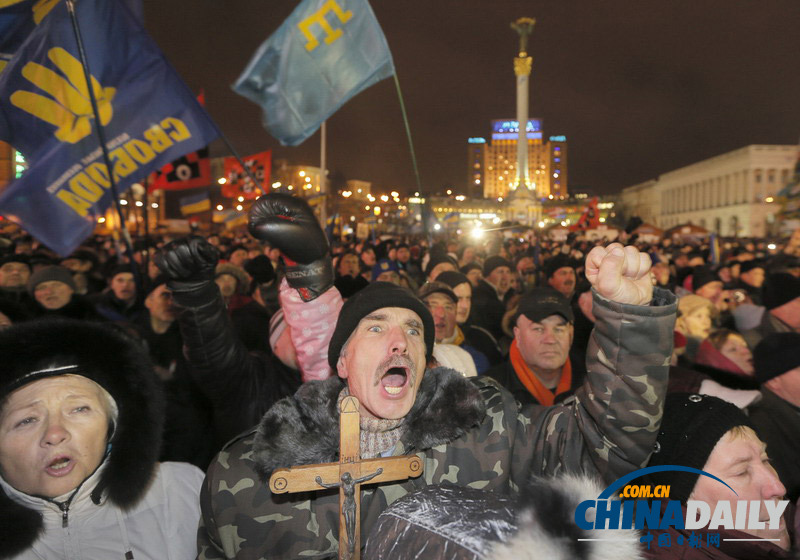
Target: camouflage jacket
x,y
469,432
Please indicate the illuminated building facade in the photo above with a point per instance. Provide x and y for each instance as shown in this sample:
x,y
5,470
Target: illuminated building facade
x,y
547,161
730,194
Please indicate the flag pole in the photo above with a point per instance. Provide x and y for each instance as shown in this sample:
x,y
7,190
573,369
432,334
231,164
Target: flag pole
x,y
322,162
126,236
413,153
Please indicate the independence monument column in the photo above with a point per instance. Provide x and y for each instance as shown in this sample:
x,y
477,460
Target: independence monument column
x,y
522,204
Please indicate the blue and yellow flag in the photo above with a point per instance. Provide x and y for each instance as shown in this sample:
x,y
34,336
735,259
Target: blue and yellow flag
x,y
326,52
18,19
195,203
149,116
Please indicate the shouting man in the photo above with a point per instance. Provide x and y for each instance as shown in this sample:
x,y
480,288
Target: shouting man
x,y
467,431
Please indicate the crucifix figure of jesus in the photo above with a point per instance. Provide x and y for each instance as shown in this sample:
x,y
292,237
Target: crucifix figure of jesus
x,y
348,475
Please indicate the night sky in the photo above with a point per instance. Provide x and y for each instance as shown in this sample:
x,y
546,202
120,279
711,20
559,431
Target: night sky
x,y
639,87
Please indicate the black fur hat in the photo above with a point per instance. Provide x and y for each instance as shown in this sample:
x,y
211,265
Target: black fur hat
x,y
102,353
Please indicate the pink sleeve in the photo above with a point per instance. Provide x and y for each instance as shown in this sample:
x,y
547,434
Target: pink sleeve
x,y
312,325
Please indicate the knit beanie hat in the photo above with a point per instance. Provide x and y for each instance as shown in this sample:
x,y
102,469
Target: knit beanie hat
x,y
467,268
377,296
747,266
23,259
495,261
348,286
437,259
119,269
384,265
51,274
776,354
452,278
779,289
690,428
260,269
702,275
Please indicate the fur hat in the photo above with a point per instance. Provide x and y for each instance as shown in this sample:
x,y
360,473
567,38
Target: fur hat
x,y
558,262
691,427
102,353
51,274
242,281
377,296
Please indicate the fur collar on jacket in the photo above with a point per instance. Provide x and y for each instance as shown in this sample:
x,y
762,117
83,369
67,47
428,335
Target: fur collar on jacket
x,y
304,429
109,357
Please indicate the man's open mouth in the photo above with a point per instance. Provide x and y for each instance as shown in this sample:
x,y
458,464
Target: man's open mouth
x,y
395,379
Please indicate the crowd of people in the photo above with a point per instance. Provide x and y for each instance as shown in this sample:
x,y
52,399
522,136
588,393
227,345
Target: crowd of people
x,y
501,362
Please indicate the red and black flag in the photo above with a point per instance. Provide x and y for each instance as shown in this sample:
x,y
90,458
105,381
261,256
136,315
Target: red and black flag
x,y
590,218
187,172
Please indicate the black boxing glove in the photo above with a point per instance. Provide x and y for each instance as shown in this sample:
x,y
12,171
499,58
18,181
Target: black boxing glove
x,y
189,264
287,223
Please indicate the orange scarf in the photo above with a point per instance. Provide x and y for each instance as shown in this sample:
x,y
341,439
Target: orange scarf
x,y
535,387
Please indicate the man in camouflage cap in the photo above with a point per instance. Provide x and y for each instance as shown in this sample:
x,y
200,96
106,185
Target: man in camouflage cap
x,y
469,432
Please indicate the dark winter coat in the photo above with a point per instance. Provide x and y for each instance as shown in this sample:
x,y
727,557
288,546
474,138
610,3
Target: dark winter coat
x,y
240,385
487,309
778,425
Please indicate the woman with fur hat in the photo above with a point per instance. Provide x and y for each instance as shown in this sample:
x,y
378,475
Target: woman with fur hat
x,y
80,434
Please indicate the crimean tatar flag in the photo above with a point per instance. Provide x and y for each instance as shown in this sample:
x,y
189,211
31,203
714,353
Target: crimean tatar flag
x,y
325,52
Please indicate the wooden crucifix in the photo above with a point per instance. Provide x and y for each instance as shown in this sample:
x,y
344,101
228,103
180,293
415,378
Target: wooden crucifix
x,y
348,475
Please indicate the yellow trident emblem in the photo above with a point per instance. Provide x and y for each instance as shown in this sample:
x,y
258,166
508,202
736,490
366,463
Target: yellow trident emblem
x,y
69,109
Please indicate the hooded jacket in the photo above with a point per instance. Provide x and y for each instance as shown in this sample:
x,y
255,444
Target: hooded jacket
x,y
130,504
468,432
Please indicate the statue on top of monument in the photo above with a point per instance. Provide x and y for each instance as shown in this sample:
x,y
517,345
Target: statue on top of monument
x,y
523,26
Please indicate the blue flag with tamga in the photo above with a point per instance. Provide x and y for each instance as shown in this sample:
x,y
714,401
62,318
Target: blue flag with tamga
x,y
326,52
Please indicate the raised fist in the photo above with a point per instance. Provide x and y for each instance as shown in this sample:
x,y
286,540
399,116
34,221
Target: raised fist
x,y
620,274
289,224
188,263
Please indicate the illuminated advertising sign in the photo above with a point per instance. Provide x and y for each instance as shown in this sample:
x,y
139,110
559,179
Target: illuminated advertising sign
x,y
477,140
506,129
558,138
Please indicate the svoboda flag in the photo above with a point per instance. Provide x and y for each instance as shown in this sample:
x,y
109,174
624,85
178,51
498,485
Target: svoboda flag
x,y
150,118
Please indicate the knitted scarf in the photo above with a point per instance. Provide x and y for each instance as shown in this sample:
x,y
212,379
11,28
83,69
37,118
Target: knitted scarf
x,y
542,394
378,435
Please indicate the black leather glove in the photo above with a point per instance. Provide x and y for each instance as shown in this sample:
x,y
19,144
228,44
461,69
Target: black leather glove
x,y
289,224
188,263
